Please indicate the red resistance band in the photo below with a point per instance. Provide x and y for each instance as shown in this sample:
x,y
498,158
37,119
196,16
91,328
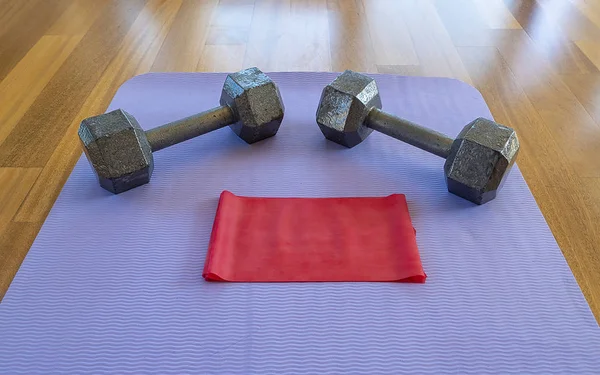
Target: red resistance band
x,y
313,239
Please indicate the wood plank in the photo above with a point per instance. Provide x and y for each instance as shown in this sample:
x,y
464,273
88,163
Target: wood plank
x,y
13,11
430,52
304,44
32,142
77,19
182,48
585,88
222,58
463,23
560,51
136,55
16,183
10,11
15,242
26,26
436,52
495,14
26,81
227,37
233,14
568,20
591,48
267,26
468,29
349,38
389,34
219,35
230,23
403,70
590,10
556,188
290,35
591,190
42,195
557,105
137,52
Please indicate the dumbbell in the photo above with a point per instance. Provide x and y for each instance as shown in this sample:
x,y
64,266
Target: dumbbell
x,y
120,152
477,161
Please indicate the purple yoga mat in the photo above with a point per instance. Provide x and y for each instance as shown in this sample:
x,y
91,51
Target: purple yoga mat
x,y
113,284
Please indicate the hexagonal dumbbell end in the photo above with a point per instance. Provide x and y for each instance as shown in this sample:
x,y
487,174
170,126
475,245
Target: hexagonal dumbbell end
x,y
117,149
257,104
344,104
480,159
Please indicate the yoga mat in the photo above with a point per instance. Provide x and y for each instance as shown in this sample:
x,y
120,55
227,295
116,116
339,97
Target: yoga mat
x,y
113,283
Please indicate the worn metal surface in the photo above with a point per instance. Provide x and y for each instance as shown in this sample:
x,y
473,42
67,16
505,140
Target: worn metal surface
x,y
117,150
256,102
343,107
409,132
480,159
477,162
189,127
120,152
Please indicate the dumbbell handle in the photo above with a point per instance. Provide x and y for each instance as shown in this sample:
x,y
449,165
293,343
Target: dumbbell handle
x,y
189,127
409,132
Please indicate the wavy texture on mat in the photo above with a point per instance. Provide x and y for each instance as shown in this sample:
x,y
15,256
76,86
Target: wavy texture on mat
x,y
113,283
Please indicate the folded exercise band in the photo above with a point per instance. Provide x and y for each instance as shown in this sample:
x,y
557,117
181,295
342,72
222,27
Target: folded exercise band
x,y
313,239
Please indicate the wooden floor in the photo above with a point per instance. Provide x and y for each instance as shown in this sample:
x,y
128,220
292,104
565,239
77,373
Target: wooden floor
x,y
537,64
